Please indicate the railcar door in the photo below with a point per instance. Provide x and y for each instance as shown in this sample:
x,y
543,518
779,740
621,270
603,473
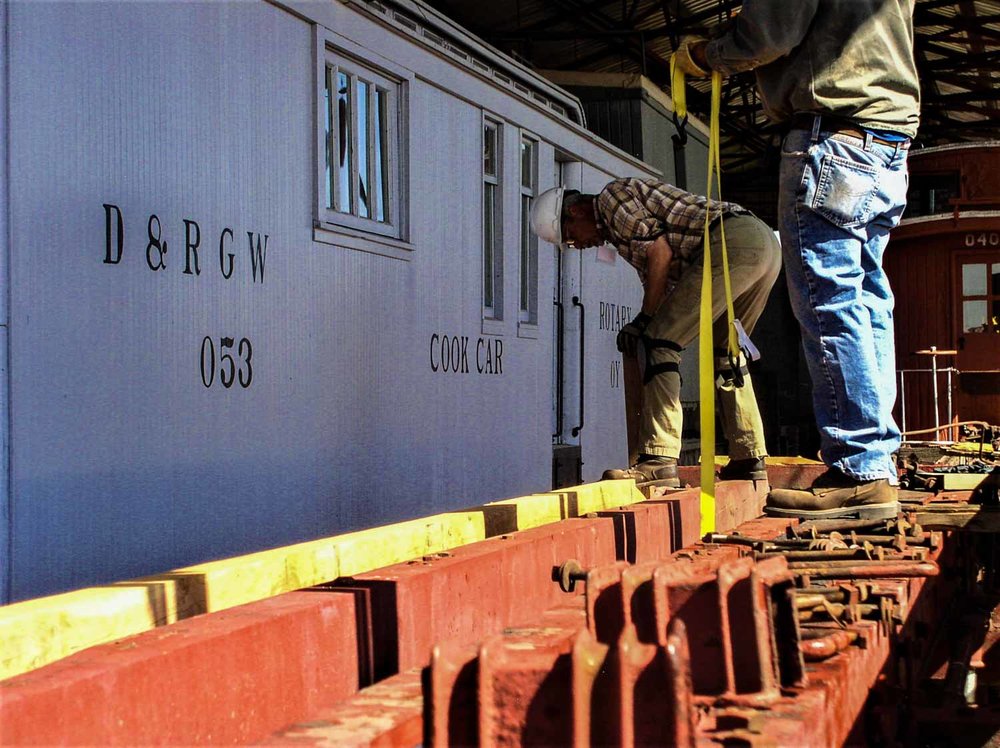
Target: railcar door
x,y
612,295
594,296
978,312
568,413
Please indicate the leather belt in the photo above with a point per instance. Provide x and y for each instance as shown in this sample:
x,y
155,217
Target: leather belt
x,y
837,126
728,214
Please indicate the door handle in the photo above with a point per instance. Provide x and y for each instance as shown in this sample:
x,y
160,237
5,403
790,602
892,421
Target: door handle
x,y
576,302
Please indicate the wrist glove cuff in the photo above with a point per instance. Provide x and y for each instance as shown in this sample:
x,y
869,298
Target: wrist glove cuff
x,y
642,320
684,60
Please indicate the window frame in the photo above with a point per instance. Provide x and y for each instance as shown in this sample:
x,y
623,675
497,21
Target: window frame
x,y
527,315
333,51
493,313
977,350
990,297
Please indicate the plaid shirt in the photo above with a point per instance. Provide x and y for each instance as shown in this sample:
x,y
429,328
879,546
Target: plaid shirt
x,y
632,213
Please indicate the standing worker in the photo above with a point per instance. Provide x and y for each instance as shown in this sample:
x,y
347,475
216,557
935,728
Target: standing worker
x,y
659,229
840,75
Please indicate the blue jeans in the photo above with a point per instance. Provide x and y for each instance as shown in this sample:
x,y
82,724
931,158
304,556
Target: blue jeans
x,y
839,196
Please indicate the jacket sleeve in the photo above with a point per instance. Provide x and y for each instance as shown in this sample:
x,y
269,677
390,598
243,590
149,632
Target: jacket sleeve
x,y
762,32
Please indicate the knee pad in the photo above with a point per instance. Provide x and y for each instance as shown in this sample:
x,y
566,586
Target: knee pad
x,y
655,369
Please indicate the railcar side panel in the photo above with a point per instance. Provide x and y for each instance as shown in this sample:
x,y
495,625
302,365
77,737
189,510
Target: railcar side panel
x,y
198,369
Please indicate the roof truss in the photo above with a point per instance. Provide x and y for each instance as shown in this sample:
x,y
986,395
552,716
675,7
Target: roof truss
x,y
957,51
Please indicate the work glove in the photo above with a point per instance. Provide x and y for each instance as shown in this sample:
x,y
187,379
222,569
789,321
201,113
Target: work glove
x,y
629,335
684,60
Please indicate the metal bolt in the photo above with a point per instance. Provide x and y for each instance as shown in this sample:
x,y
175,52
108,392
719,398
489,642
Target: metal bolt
x,y
569,574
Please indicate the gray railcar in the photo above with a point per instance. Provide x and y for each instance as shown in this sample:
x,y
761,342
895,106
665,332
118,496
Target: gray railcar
x,y
263,285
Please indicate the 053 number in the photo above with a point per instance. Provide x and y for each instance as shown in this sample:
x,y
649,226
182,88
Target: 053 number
x,y
229,370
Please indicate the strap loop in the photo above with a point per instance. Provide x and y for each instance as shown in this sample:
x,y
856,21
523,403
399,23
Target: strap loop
x,y
734,374
654,370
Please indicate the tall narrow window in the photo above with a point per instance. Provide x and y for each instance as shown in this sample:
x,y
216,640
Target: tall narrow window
x,y
362,151
528,306
492,224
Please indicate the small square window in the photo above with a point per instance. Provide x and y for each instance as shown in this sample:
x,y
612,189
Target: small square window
x,y
974,279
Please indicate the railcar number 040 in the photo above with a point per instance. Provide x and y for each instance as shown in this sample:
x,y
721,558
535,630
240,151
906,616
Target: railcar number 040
x,y
229,371
982,239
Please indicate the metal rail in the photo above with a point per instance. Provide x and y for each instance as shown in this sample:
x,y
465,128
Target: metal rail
x,y
934,371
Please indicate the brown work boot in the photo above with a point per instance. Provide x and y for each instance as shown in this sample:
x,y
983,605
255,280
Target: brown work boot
x,y
833,495
660,471
752,468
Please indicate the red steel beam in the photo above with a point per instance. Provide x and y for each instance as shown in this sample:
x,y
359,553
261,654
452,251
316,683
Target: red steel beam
x,y
390,713
654,529
472,592
230,677
710,629
241,674
524,682
641,634
778,476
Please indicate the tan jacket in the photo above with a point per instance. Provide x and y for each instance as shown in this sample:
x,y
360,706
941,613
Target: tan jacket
x,y
849,58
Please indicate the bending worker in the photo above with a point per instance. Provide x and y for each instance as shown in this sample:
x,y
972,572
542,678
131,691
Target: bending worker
x,y
659,230
840,75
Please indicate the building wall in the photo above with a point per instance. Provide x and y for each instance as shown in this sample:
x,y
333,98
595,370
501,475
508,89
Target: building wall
x,y
951,213
920,263
977,163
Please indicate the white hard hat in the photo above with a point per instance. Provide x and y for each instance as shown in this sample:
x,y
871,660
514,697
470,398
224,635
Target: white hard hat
x,y
546,215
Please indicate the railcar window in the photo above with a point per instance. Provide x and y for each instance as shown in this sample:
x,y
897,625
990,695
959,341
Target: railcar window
x,y
492,246
980,297
362,124
974,280
528,309
342,93
381,162
973,316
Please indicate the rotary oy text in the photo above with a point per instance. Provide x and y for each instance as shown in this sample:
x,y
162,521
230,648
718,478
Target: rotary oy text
x,y
156,245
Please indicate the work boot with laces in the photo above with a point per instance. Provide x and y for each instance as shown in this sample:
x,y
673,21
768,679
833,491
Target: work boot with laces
x,y
752,468
657,471
834,495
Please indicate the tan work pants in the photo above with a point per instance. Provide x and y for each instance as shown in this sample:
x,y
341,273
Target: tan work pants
x,y
754,262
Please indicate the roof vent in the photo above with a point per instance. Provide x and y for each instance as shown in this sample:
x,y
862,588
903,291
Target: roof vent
x,y
404,21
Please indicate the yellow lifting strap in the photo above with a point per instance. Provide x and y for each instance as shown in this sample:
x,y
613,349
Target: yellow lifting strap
x,y
706,357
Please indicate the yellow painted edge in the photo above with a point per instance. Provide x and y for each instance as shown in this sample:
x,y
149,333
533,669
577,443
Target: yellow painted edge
x,y
37,632
721,460
540,509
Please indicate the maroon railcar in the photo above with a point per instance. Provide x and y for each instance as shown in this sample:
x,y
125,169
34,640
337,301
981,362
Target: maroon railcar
x,y
943,263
